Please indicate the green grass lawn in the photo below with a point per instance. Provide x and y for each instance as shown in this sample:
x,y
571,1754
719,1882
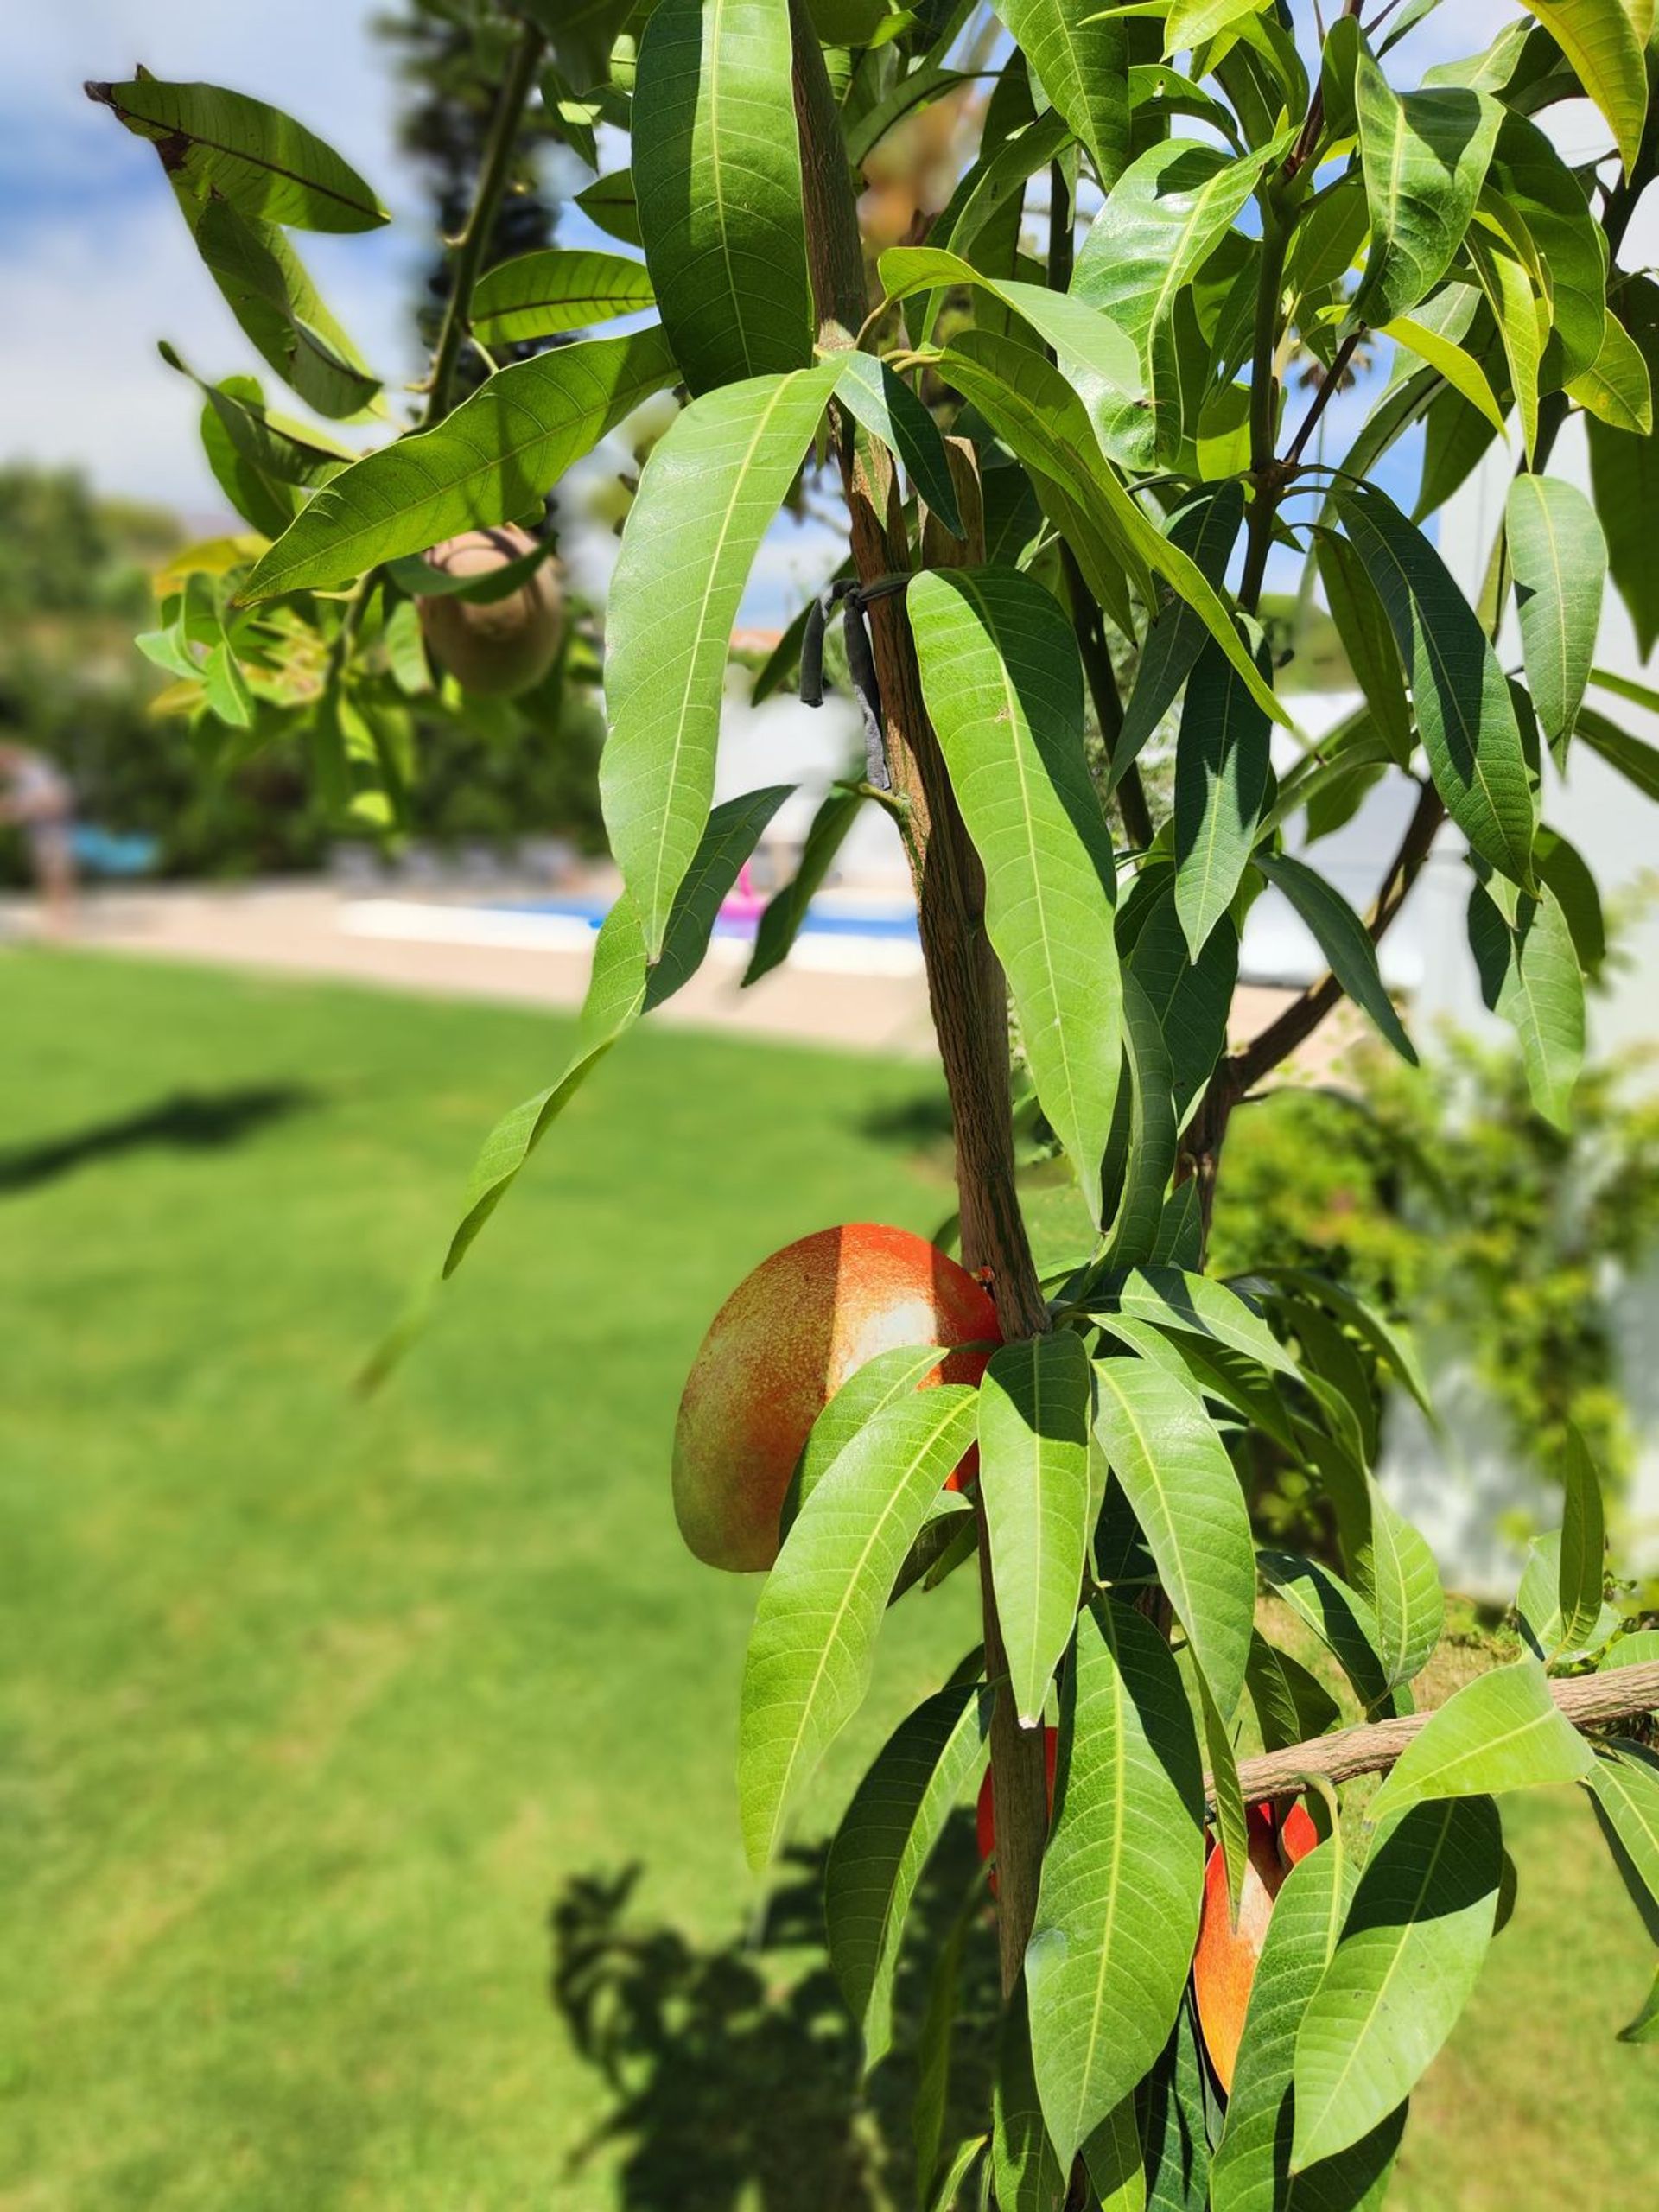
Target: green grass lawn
x,y
332,1729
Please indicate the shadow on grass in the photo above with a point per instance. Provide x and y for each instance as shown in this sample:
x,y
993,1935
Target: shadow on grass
x,y
733,2067
189,1120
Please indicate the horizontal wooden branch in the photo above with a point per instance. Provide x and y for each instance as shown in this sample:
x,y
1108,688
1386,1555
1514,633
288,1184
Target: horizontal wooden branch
x,y
1619,1693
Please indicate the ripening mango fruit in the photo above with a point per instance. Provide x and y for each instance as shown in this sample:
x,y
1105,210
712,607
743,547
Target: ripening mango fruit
x,y
1223,1966
497,648
779,1350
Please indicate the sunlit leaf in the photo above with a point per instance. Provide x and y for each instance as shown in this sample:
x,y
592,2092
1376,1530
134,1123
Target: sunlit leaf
x,y
812,1646
786,910
1601,40
1623,1782
1292,1705
1340,1617
1530,975
1343,940
885,405
1082,59
1624,467
717,182
1004,691
1502,1731
1425,157
1411,1949
1189,999
1559,558
707,497
1583,1543
1223,777
282,315
1461,371
1117,1914
491,458
1541,188
540,295
1206,529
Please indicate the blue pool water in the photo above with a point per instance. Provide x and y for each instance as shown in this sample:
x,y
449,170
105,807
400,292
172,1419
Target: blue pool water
x,y
839,921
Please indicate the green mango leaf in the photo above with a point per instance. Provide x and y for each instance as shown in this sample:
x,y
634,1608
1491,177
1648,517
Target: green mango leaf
x,y
1583,1563
1231,1822
1411,1949
1340,1617
1082,60
1034,1408
956,2171
1189,999
1206,529
1032,408
1251,2169
610,206
281,313
1223,774
1425,157
1026,2172
813,1642
1530,975
1638,1649
933,2052
1292,1705
1625,469
1538,1606
1403,1583
1616,388
1163,1448
1141,1155
1461,699
1461,370
786,910
880,1382
1502,1731
620,988
1117,1914
1544,193
1602,43
1634,757
582,32
1173,2108
1004,691
1644,2028
1559,559
1160,222
1343,940
885,405
215,144
1623,1783
541,295
1199,1306
707,497
717,180
898,1814
491,458
1390,1340
1505,260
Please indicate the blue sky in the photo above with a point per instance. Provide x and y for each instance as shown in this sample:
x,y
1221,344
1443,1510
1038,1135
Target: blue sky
x,y
96,265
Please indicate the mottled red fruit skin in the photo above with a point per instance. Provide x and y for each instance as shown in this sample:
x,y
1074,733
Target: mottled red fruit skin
x,y
985,1810
779,1350
495,647
1224,1966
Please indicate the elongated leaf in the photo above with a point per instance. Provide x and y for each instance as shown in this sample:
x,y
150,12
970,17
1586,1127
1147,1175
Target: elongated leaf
x,y
1502,1731
217,144
1251,2169
1342,937
888,1833
1027,2175
1425,157
1034,1408
1601,41
1112,2157
1543,191
1141,1157
1583,1543
1461,371
1411,1949
1161,1446
1530,975
786,910
1617,389
1117,1914
1462,701
717,180
1399,1574
1633,757
1559,558
1031,405
1082,60
1173,2107
1004,691
812,1645
1160,222
1292,1705
933,2065
1390,1340
620,988
1639,1648
1644,2028
707,497
1189,999
281,313
885,405
1624,1782
1205,529
609,204
538,294
1505,261
491,458
870,1388
1222,774
582,34
1625,469
1338,1616
1201,1307
1232,1824
1538,1604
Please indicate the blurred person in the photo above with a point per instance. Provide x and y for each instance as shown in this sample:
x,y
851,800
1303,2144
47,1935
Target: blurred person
x,y
36,795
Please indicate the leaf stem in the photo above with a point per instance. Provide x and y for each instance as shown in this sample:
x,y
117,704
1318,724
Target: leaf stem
x,y
474,235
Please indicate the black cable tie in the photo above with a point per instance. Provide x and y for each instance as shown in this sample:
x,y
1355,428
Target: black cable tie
x,y
860,666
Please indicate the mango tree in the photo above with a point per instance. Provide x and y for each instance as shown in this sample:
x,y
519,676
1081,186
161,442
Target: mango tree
x,y
1063,431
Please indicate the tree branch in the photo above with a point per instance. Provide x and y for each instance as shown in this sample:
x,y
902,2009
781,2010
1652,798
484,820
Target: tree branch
x,y
469,246
1587,1700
